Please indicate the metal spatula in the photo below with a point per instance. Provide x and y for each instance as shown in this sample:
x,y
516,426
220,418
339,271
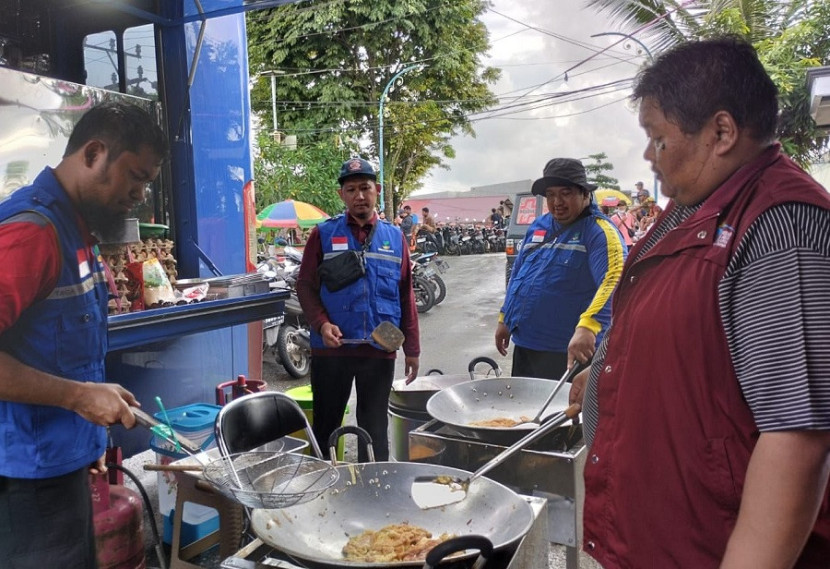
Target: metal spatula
x,y
148,421
566,377
437,491
386,335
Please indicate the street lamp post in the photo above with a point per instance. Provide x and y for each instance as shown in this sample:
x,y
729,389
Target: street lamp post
x,y
386,90
273,75
629,37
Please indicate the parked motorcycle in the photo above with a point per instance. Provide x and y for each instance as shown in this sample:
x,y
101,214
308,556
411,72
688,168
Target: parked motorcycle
x,y
280,334
429,265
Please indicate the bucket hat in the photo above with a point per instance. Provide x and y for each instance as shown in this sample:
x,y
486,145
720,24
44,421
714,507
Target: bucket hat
x,y
562,172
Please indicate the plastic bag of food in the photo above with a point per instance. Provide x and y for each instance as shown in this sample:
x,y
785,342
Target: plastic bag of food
x,y
149,279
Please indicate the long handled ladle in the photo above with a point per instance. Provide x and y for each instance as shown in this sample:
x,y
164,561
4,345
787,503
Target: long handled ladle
x,y
437,491
566,377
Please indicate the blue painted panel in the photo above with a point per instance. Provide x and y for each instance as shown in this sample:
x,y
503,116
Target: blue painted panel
x,y
221,149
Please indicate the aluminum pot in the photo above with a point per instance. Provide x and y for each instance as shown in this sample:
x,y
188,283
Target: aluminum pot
x,y
486,399
414,397
370,496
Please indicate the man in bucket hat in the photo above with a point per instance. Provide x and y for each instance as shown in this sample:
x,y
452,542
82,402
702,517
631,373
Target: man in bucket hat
x,y
558,300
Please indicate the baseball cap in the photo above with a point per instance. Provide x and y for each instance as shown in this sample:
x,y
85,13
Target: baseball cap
x,y
356,167
562,172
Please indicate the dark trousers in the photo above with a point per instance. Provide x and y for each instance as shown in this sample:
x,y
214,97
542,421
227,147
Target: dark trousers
x,y
47,523
534,363
331,384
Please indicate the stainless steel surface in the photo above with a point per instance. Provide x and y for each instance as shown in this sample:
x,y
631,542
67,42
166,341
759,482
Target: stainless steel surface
x,y
566,377
488,399
415,395
425,496
38,114
401,422
551,468
531,551
374,495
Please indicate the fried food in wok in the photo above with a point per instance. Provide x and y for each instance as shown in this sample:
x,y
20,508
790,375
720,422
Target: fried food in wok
x,y
500,422
396,542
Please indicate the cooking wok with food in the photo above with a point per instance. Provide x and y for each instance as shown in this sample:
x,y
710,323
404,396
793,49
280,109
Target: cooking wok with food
x,y
371,496
415,394
492,409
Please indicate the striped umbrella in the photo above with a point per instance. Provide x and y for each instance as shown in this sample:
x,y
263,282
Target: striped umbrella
x,y
291,213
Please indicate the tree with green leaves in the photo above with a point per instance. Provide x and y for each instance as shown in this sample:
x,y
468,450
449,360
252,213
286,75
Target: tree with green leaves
x,y
307,173
597,171
336,57
790,36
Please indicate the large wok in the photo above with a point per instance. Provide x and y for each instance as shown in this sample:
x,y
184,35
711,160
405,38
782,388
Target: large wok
x,y
488,399
414,397
373,495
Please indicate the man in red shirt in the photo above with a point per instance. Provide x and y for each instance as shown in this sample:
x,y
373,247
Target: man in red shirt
x,y
383,294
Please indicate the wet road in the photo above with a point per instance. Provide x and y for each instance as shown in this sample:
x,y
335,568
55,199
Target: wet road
x,y
454,332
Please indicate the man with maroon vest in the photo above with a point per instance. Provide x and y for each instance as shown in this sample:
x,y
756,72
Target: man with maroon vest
x,y
707,409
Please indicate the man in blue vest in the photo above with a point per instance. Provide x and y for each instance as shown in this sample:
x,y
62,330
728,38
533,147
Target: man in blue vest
x,y
54,403
558,301
383,294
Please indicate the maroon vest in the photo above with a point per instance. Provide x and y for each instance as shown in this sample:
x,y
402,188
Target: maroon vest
x,y
665,474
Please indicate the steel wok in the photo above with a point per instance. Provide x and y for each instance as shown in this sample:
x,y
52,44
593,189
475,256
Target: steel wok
x,y
414,396
370,496
488,399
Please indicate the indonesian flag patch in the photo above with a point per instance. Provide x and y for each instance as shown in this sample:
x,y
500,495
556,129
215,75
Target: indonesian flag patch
x,y
83,264
339,243
538,236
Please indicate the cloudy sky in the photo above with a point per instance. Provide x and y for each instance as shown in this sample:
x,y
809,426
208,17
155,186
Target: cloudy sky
x,y
516,145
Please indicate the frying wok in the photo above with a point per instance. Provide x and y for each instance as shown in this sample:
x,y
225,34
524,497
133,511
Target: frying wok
x,y
414,396
488,399
370,496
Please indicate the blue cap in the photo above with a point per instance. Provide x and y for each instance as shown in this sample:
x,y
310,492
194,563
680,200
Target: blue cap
x,y
356,167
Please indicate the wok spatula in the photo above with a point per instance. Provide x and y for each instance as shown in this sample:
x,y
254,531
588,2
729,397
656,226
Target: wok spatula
x,y
163,431
437,491
386,335
567,376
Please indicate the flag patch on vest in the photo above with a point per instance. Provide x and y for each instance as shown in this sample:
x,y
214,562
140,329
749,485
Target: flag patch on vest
x,y
339,243
83,264
723,236
538,236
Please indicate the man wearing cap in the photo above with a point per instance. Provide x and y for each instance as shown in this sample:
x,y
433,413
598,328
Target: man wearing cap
x,y
383,294
558,300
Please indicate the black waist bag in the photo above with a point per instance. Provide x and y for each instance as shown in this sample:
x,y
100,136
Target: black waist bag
x,y
341,271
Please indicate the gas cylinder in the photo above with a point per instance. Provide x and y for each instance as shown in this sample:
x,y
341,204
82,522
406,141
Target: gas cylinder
x,y
119,528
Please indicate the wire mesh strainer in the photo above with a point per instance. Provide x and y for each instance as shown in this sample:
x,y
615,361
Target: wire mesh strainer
x,y
271,480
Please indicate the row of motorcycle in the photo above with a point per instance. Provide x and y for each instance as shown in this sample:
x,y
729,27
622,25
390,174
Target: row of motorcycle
x,y
287,338
461,240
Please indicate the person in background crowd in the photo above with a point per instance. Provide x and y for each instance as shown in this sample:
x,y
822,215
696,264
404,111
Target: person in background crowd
x,y
495,220
508,207
558,300
383,294
406,223
640,194
415,220
710,434
54,403
429,221
625,222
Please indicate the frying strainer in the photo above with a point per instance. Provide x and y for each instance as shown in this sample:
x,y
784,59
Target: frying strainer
x,y
270,480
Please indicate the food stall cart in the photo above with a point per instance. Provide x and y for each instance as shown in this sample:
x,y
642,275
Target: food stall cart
x,y
187,63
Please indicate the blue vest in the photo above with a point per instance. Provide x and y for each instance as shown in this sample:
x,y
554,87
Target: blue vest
x,y
358,308
65,335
